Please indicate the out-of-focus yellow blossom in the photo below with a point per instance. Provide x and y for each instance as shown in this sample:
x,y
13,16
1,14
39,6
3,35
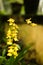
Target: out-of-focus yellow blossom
x,y
16,31
15,54
9,43
16,26
12,50
12,28
15,38
12,36
28,21
9,40
33,24
9,54
9,31
10,23
16,45
11,20
16,48
11,47
8,36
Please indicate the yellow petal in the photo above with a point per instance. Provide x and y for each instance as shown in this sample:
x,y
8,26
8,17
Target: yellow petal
x,y
14,25
16,48
16,31
10,47
13,35
33,24
11,20
15,56
12,28
9,43
15,39
16,45
28,21
9,40
11,23
9,54
11,50
9,31
15,53
8,36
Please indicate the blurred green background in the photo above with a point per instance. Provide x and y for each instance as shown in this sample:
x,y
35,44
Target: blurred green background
x,y
28,7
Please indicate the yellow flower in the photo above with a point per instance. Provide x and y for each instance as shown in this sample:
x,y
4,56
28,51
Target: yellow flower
x,y
11,20
16,31
11,47
16,45
9,54
11,50
33,24
9,43
10,40
13,35
12,28
8,32
16,39
10,23
16,48
28,21
8,36
14,25
15,54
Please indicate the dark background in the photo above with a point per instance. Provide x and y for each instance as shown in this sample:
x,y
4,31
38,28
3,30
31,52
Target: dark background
x,y
31,7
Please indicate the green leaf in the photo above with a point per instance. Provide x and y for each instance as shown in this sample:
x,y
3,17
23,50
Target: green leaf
x,y
10,61
2,59
23,62
4,51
